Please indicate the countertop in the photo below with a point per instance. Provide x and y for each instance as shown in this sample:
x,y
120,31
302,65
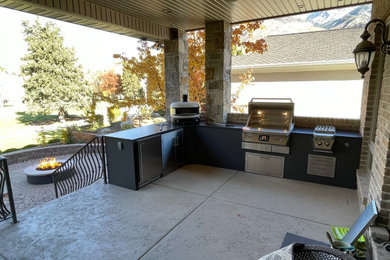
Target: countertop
x,y
150,130
145,131
339,133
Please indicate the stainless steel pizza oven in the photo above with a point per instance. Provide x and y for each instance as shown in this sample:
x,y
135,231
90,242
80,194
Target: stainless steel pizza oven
x,y
270,121
185,112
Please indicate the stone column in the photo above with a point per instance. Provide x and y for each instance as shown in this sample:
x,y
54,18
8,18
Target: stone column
x,y
176,67
218,70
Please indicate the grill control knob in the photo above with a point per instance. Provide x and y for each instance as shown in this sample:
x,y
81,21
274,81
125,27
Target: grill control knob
x,y
327,143
319,142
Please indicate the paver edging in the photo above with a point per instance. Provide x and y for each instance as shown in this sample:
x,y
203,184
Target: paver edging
x,y
41,152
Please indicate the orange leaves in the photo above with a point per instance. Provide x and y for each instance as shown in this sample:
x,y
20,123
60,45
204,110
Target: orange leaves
x,y
149,67
242,37
196,69
246,80
109,83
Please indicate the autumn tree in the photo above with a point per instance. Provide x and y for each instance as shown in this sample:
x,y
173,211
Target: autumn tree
x,y
196,66
108,85
150,66
242,42
53,81
246,80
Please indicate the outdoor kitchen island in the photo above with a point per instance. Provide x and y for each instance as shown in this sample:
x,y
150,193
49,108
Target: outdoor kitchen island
x,y
138,156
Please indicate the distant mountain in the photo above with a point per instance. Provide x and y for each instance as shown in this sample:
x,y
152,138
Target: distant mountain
x,y
350,17
357,17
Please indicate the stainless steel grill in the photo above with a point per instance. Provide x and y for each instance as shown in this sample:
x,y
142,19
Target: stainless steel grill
x,y
269,125
270,121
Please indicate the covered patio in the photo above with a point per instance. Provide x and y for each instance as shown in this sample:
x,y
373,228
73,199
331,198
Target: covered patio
x,y
196,212
201,211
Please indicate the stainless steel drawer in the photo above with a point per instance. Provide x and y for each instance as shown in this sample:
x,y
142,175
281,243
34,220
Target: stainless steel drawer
x,y
264,164
321,165
257,147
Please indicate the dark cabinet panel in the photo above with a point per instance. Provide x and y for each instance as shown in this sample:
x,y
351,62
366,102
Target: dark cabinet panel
x,y
214,146
172,151
120,162
346,152
149,159
133,163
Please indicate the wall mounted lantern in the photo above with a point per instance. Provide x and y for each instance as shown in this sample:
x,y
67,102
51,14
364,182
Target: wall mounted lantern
x,y
364,51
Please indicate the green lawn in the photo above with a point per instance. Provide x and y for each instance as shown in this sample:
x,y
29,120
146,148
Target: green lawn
x,y
19,128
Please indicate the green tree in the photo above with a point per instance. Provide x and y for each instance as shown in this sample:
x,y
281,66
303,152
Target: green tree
x,y
133,93
53,81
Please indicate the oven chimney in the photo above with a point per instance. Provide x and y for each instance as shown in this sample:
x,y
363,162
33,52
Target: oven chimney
x,y
185,98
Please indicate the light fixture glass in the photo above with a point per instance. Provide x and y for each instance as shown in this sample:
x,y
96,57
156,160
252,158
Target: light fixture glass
x,y
364,53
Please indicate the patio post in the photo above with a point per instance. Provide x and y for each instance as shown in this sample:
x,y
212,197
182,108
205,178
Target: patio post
x,y
218,70
176,67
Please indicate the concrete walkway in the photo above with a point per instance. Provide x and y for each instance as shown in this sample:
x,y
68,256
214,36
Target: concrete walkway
x,y
196,212
28,196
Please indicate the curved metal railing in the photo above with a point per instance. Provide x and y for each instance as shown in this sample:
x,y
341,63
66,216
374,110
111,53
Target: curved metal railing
x,y
82,169
6,182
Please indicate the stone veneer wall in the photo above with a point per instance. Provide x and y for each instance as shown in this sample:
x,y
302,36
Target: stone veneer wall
x,y
218,60
41,152
306,122
379,187
176,67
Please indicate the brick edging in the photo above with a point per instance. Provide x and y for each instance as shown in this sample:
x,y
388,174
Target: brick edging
x,y
41,152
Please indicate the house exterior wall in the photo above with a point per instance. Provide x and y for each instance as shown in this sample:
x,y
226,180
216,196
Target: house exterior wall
x,y
379,185
301,75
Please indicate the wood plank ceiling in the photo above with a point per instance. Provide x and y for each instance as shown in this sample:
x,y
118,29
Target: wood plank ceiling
x,y
192,14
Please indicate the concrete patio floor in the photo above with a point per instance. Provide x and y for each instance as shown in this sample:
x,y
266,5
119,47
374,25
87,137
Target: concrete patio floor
x,y
196,212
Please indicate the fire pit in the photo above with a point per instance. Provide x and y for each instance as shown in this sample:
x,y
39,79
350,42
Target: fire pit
x,y
41,172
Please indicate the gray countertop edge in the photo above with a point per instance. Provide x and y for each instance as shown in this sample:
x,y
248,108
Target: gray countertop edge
x,y
151,130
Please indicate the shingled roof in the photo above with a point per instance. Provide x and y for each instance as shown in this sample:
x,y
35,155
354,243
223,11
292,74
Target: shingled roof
x,y
304,48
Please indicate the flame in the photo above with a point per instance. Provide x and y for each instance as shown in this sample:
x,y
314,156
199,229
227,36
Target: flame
x,y
49,163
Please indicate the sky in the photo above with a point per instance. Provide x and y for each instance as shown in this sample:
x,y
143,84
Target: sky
x,y
87,42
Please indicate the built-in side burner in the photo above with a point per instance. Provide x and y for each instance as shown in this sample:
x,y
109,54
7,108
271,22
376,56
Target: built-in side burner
x,y
323,138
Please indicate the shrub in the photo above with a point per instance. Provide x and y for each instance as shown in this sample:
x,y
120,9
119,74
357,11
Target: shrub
x,y
99,119
10,150
127,126
41,139
66,136
158,120
29,146
113,114
54,140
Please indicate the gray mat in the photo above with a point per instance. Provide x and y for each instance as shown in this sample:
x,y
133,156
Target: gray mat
x,y
290,238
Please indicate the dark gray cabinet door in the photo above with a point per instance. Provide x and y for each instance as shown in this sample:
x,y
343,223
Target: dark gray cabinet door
x,y
172,150
121,165
149,156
